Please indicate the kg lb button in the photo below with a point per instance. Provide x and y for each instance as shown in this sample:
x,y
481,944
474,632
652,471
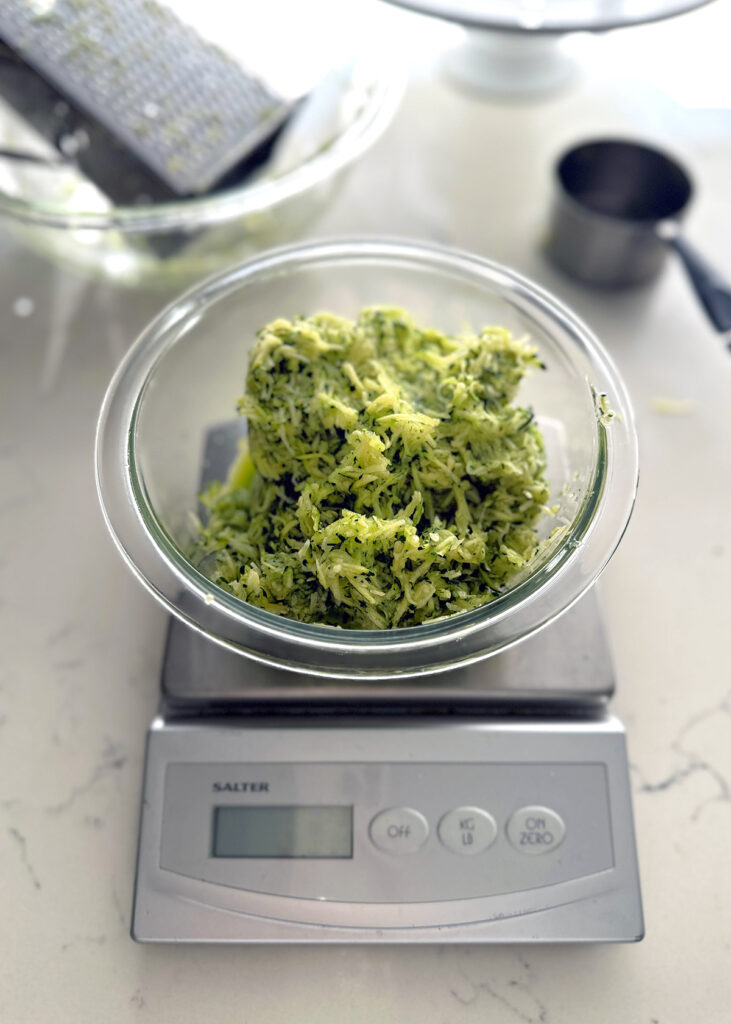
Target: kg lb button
x,y
399,830
535,830
467,830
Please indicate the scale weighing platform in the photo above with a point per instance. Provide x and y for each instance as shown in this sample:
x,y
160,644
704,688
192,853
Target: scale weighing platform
x,y
491,804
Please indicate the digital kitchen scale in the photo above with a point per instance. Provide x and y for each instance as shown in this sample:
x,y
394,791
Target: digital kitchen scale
x,y
489,804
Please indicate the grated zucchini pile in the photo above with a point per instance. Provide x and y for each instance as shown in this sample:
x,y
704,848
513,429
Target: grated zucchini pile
x,y
388,479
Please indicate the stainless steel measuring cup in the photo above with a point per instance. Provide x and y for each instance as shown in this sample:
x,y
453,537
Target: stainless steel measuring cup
x,y
617,210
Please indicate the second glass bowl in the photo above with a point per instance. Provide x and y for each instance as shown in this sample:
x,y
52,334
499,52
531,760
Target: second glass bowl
x,y
182,377
59,214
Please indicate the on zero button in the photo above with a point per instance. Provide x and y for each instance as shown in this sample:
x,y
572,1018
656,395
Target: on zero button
x,y
535,830
399,830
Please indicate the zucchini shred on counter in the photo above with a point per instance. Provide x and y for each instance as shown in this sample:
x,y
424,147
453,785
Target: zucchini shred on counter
x,y
387,479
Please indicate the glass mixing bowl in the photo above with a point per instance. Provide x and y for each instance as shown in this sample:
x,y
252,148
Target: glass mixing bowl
x,y
55,211
182,378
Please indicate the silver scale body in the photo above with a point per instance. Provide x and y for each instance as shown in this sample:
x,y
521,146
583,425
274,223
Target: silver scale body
x,y
528,728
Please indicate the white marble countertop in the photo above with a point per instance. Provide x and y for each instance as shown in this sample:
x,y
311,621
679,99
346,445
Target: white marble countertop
x,y
81,641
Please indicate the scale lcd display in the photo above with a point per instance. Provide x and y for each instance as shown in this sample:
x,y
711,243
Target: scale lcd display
x,y
283,831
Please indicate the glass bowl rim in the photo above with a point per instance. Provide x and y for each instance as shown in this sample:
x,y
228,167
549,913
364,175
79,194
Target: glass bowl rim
x,y
164,331
384,96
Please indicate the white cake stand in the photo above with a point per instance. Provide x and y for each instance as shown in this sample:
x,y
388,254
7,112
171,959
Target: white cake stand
x,y
518,47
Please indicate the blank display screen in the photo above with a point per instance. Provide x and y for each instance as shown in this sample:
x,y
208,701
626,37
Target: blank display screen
x,y
283,831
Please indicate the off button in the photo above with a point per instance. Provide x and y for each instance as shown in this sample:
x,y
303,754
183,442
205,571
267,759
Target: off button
x,y
399,830
535,830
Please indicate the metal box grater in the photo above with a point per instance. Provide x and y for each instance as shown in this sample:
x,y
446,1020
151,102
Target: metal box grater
x,y
147,108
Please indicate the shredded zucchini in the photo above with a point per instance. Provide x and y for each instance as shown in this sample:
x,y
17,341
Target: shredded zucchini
x,y
388,480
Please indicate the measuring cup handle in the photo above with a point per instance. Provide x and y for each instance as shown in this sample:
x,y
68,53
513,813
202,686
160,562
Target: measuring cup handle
x,y
711,289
